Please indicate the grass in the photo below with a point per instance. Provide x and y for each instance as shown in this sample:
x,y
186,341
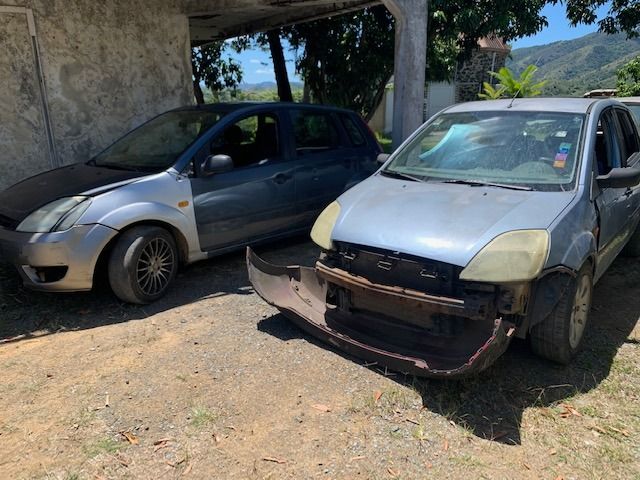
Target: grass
x,y
104,445
202,416
385,142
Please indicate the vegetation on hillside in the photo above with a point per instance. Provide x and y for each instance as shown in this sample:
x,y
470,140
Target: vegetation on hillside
x,y
574,67
629,79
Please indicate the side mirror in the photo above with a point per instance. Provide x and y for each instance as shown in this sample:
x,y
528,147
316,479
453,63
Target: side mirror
x,y
382,158
626,177
216,164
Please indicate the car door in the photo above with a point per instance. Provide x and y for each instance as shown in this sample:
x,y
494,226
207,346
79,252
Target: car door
x,y
629,146
324,165
362,150
256,199
612,203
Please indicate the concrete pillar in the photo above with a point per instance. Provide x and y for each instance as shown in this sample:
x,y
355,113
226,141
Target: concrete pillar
x,y
410,64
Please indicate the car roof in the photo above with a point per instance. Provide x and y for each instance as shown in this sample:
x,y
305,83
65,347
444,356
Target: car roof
x,y
537,104
632,100
228,107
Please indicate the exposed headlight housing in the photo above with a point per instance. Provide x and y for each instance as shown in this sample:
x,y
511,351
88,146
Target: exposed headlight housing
x,y
56,216
322,229
517,256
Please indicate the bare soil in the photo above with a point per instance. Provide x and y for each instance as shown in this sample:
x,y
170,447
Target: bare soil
x,y
211,382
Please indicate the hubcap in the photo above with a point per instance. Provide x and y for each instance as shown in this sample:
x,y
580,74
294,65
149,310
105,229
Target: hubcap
x,y
581,305
155,266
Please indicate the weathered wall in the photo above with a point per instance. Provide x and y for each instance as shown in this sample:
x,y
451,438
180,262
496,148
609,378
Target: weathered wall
x,y
108,66
474,72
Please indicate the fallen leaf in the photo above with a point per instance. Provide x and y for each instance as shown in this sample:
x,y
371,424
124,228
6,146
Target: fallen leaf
x,y
216,437
526,466
321,407
162,440
187,470
392,472
428,465
353,459
376,396
445,447
133,440
553,451
279,461
410,420
569,411
623,432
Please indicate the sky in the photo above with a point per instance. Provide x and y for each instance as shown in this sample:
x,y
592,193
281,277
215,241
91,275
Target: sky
x,y
257,65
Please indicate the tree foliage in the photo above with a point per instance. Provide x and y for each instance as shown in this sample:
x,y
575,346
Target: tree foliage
x,y
623,15
629,79
210,67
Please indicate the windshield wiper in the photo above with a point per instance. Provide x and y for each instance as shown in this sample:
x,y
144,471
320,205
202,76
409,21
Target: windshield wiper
x,y
401,176
477,183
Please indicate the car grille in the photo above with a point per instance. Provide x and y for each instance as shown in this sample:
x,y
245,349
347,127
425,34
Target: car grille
x,y
8,223
396,269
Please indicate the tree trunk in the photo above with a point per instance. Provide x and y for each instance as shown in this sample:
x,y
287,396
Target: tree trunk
x,y
279,66
197,92
375,103
306,93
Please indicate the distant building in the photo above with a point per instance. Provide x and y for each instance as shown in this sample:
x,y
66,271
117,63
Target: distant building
x,y
490,56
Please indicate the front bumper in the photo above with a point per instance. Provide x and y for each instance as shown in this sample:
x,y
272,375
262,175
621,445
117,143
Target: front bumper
x,y
390,326
58,261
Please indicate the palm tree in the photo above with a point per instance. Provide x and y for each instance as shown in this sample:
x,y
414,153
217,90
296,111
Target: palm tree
x,y
510,86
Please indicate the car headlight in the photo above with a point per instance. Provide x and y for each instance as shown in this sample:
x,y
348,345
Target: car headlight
x,y
322,229
56,216
516,256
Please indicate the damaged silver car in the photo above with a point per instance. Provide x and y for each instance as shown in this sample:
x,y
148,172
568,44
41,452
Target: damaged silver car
x,y
493,221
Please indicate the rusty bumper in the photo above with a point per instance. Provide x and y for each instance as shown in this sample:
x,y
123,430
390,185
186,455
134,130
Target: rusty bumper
x,y
390,326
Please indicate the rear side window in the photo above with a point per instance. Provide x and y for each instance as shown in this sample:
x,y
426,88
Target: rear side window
x,y
314,131
353,132
629,140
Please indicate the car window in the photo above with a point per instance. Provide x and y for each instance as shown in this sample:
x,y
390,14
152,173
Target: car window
x,y
629,139
158,144
250,141
635,111
314,131
607,147
355,135
539,150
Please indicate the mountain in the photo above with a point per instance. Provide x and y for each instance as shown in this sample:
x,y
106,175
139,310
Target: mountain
x,y
574,67
256,87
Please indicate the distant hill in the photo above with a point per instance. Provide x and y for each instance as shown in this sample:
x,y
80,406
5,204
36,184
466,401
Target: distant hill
x,y
574,67
256,87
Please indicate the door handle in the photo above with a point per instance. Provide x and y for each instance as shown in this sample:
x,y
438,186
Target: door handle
x,y
628,192
282,178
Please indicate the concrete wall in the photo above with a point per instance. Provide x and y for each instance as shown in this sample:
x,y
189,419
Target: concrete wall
x,y
108,66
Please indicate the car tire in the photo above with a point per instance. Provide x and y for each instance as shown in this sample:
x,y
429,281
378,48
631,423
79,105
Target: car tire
x,y
632,248
559,336
143,264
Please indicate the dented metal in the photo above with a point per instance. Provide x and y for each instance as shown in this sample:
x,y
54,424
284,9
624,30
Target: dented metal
x,y
403,329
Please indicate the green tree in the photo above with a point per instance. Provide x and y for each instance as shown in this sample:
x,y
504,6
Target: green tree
x,y
623,15
210,68
510,86
629,79
348,60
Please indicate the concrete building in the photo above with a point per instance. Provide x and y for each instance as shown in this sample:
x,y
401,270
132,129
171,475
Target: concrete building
x,y
490,56
77,74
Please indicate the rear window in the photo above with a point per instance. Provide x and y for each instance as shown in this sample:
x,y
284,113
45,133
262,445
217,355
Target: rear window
x,y
314,131
353,132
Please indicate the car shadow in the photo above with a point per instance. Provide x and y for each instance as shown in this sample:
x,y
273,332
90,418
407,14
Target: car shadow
x,y
491,404
26,313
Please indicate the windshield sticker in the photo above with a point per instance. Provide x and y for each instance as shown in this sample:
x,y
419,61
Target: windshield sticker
x,y
560,160
564,148
561,134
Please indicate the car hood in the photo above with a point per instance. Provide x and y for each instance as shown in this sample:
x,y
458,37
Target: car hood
x,y
19,200
443,222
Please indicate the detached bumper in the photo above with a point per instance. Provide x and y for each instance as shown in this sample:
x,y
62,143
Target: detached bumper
x,y
403,341
59,261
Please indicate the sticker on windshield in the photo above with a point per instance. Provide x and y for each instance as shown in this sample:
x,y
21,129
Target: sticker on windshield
x,y
564,148
561,134
560,160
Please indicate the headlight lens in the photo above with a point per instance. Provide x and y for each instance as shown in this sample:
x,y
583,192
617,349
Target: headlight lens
x,y
55,216
322,229
516,256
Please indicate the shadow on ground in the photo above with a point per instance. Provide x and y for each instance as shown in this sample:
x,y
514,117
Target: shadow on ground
x,y
26,313
491,404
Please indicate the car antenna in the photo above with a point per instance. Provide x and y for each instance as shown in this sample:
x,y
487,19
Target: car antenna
x,y
520,89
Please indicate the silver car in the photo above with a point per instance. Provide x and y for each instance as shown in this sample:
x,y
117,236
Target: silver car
x,y
493,221
190,184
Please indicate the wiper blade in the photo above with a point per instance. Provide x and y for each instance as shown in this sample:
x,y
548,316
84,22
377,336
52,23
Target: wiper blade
x,y
476,183
400,175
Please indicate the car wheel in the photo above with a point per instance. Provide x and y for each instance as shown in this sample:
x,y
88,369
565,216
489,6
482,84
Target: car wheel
x,y
632,248
143,264
559,336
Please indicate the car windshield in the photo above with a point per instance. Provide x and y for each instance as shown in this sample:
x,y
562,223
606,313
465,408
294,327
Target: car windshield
x,y
156,145
536,150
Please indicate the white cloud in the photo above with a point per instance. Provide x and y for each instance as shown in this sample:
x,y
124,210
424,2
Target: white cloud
x,y
254,60
264,71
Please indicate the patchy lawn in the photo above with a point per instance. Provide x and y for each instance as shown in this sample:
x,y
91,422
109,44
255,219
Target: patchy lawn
x,y
212,383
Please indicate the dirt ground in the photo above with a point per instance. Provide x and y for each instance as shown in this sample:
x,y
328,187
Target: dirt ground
x,y
213,383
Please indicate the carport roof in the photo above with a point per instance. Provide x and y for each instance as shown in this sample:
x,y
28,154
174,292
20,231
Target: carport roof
x,y
211,20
